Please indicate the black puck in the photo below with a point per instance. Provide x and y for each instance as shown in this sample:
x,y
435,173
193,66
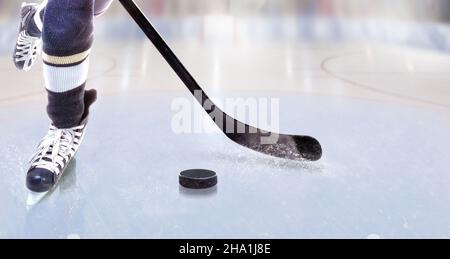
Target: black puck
x,y
198,179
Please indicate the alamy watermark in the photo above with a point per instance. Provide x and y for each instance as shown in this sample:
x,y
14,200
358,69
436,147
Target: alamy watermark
x,y
263,113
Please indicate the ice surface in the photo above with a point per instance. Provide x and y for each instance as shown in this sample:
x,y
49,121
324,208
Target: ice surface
x,y
381,115
386,173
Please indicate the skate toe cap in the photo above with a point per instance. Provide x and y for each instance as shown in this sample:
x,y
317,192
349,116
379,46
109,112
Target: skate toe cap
x,y
40,180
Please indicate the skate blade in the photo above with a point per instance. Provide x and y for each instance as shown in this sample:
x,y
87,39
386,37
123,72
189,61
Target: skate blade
x,y
34,198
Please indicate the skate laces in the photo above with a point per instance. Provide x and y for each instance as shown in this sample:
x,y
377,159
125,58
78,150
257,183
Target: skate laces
x,y
56,148
28,48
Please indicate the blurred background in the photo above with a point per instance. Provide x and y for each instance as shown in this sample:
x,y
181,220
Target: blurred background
x,y
421,23
297,42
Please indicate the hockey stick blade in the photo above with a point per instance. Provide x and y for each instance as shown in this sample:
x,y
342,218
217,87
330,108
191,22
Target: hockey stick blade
x,y
293,147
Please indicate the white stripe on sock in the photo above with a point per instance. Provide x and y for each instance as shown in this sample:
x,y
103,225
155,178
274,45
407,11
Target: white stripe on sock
x,y
63,79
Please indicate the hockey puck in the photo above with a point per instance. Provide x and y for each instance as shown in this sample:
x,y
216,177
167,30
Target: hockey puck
x,y
198,179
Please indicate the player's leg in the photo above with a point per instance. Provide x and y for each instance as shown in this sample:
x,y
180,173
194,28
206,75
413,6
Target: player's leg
x,y
28,44
101,6
67,39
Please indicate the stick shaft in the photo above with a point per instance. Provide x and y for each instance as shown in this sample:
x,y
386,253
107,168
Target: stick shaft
x,y
149,30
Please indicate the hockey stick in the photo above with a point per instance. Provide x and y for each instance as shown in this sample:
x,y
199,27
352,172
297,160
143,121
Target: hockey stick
x,y
291,147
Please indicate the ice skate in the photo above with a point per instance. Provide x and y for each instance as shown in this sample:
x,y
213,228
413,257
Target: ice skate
x,y
29,42
55,151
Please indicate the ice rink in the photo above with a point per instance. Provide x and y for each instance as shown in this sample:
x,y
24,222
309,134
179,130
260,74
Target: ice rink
x,y
369,79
